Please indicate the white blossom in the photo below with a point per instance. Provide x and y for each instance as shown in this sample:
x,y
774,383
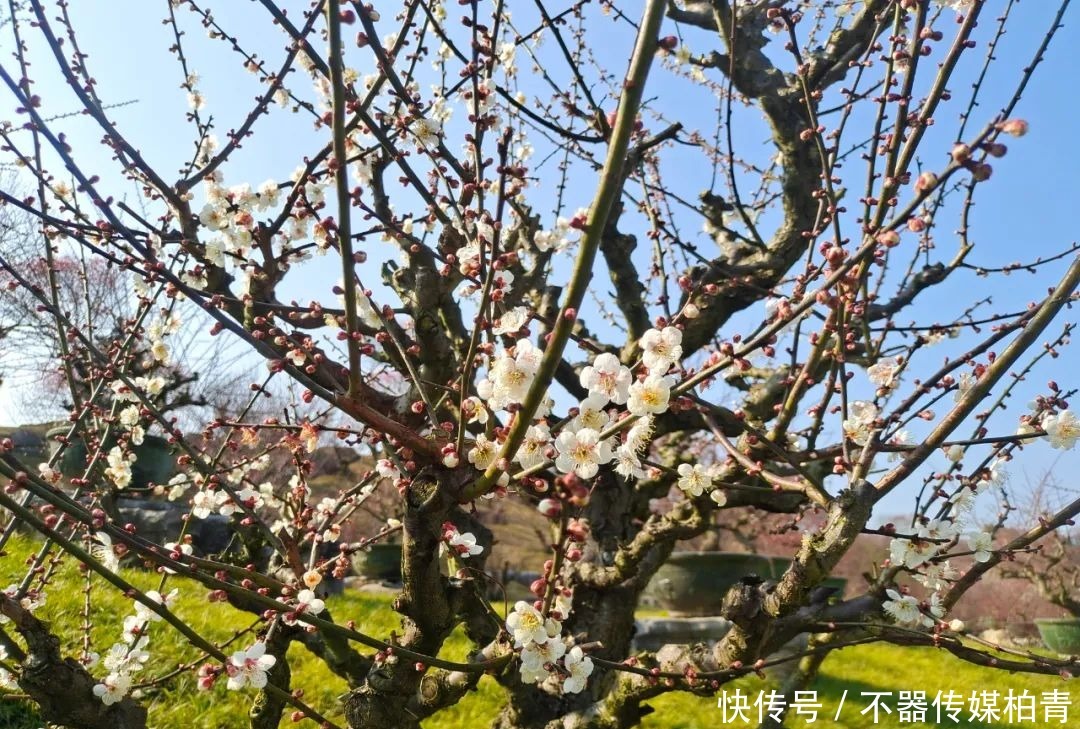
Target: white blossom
x,y
203,504
113,688
478,411
1062,429
580,667
899,438
527,625
160,351
249,667
127,658
693,479
995,475
959,6
426,132
49,474
939,529
581,452
511,321
554,239
510,377
937,610
937,576
150,385
904,609
536,657
166,601
911,553
386,469
306,602
963,385
883,374
651,396
30,602
627,464
104,552
563,604
859,425
591,414
463,544
483,452
182,549
129,416
533,446
640,435
962,500
661,348
982,544
119,468
608,378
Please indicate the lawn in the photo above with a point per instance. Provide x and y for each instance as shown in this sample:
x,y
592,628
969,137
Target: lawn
x,y
178,704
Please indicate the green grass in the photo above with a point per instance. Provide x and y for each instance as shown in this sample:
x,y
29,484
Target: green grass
x,y
178,704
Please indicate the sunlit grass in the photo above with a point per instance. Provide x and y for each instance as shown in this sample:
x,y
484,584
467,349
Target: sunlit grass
x,y
178,704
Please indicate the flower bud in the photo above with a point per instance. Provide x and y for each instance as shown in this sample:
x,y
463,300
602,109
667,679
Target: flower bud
x,y
550,508
1014,127
925,182
981,171
961,153
312,578
577,530
888,238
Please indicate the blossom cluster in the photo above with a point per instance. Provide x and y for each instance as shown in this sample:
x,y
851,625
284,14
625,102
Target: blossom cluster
x,y
585,443
128,657
545,658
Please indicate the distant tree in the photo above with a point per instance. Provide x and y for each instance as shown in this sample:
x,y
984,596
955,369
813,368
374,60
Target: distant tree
x,y
1052,566
96,298
631,293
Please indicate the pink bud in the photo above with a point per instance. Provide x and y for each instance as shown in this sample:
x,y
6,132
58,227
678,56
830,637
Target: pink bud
x,y
925,182
888,238
550,508
577,530
668,43
1014,127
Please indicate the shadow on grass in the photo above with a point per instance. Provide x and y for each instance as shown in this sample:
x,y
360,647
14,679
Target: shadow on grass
x,y
18,714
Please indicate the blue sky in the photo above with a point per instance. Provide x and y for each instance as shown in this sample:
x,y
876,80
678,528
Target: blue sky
x,y
1027,210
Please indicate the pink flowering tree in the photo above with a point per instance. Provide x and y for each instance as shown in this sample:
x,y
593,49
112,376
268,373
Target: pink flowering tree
x,y
631,264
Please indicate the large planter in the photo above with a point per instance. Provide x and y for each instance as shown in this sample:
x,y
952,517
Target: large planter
x,y
154,461
1061,635
694,583
381,562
